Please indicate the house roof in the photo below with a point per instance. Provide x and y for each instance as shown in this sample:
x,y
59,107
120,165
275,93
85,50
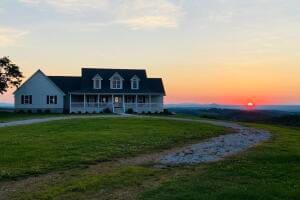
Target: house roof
x,y
85,82
67,83
42,73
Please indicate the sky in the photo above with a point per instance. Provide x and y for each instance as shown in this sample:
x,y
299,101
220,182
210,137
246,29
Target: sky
x,y
206,51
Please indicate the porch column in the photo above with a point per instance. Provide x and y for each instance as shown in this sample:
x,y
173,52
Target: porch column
x,y
136,99
98,102
123,101
70,111
150,103
84,110
112,103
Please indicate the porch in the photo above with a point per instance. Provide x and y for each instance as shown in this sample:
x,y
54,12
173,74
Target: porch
x,y
116,103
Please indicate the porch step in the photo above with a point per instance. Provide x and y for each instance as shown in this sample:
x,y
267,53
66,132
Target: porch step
x,y
119,110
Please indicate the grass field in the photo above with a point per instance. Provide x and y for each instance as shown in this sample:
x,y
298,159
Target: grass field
x,y
268,171
12,116
45,147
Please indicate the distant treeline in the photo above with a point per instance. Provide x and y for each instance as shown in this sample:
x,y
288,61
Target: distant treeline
x,y
273,117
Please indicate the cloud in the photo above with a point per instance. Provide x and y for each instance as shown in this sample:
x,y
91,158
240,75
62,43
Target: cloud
x,y
139,14
68,6
10,36
135,14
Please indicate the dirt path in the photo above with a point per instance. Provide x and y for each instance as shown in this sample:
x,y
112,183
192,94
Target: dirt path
x,y
209,150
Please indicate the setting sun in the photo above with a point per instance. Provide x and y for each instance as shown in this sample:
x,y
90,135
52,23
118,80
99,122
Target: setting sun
x,y
250,104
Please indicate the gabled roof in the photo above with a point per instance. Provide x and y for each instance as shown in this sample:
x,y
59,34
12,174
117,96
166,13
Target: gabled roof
x,y
135,77
116,75
97,76
42,73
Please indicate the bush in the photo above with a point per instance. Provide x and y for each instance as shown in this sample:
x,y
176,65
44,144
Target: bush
x,y
149,113
47,111
79,112
29,111
39,111
166,112
94,112
130,111
107,111
20,111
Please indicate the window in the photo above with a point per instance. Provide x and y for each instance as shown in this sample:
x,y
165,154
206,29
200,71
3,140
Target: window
x,y
142,99
104,100
116,83
97,84
135,83
97,81
26,99
51,99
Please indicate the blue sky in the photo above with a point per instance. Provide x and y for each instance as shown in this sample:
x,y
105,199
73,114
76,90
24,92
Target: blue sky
x,y
230,50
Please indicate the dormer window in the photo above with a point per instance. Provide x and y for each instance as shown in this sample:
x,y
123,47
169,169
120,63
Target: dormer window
x,y
116,81
135,83
97,81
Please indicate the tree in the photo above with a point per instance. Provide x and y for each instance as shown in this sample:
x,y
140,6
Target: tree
x,y
10,75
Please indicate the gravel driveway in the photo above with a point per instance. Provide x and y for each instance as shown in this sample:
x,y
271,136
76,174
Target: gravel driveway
x,y
216,148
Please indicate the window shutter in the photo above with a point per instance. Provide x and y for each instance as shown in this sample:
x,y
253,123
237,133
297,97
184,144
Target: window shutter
x,y
30,99
22,99
47,99
55,99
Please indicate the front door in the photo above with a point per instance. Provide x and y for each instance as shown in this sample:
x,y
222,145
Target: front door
x,y
118,101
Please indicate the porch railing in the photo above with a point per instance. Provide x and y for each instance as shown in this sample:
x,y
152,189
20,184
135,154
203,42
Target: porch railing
x,y
97,107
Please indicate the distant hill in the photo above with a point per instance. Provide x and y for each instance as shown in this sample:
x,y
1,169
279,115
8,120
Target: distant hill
x,y
285,108
6,105
257,116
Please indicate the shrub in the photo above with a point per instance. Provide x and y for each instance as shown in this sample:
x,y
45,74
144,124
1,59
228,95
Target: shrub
x,y
94,112
79,112
39,111
107,111
130,111
149,113
29,111
166,112
20,111
47,111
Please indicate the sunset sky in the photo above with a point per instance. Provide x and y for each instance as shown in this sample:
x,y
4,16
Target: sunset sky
x,y
206,51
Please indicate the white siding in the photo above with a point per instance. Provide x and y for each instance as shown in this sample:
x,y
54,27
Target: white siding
x,y
39,87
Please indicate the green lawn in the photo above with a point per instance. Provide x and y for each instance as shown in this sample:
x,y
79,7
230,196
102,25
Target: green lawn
x,y
12,116
269,171
45,147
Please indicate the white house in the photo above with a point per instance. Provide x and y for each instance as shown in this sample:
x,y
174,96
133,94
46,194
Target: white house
x,y
96,90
